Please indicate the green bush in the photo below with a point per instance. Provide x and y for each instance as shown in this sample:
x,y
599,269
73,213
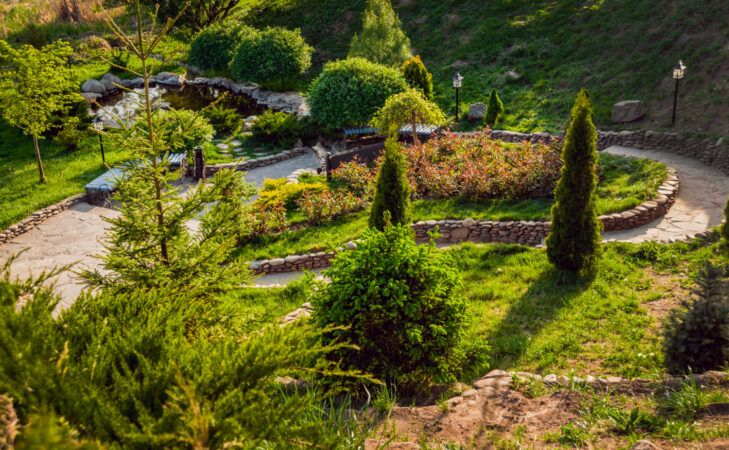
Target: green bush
x,y
418,76
277,128
279,190
495,108
574,239
398,303
224,120
119,61
71,134
183,129
272,54
382,39
349,92
696,336
213,47
392,191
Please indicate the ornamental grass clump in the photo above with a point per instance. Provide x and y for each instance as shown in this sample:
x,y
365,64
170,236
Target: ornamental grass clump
x,y
400,306
574,239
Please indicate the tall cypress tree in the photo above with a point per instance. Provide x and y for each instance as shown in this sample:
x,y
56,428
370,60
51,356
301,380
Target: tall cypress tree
x,y
574,238
418,76
392,192
382,39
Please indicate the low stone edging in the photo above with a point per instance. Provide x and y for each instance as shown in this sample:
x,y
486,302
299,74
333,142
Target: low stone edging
x,y
38,217
530,233
249,164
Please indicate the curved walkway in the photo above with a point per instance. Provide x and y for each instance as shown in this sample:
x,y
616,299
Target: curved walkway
x,y
73,236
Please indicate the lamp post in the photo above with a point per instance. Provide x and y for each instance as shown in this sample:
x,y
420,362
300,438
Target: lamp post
x,y
99,127
679,71
457,82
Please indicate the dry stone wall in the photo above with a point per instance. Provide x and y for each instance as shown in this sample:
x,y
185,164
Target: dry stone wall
x,y
39,217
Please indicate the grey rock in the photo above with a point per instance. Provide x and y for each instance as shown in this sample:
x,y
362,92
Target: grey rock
x,y
93,86
628,111
476,111
109,79
643,445
165,76
90,96
512,75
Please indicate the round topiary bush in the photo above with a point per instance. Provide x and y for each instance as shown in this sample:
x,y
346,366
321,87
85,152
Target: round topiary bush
x,y
272,54
399,304
350,91
214,46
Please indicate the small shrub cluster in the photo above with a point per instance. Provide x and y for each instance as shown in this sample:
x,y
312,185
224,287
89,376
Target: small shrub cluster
x,y
265,219
355,177
327,205
280,190
475,167
181,129
399,304
278,128
224,120
71,133
213,47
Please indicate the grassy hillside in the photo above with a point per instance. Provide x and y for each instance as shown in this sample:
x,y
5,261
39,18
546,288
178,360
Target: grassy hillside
x,y
619,49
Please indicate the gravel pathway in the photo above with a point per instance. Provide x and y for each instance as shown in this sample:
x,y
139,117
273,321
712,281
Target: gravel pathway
x,y
73,236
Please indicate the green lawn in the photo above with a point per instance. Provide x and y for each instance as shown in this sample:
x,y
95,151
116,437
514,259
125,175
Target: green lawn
x,y
626,183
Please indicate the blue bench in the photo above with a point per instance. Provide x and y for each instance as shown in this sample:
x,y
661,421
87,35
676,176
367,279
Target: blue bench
x,y
106,182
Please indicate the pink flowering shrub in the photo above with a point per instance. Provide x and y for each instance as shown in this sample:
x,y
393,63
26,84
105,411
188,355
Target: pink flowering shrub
x,y
355,177
476,167
320,207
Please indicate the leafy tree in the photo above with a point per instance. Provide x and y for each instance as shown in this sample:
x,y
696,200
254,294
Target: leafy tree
x,y
350,91
400,306
418,76
198,15
696,336
213,48
409,107
37,86
574,239
274,53
392,191
495,108
382,39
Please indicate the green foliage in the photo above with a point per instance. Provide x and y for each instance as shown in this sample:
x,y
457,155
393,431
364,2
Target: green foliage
x,y
272,54
409,107
213,47
574,239
37,85
198,15
696,336
418,76
399,303
278,128
119,61
224,120
392,191
495,108
182,128
724,230
349,92
382,39
279,190
71,134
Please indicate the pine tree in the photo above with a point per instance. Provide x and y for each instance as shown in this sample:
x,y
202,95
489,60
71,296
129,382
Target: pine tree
x,y
574,238
392,191
495,108
418,76
382,39
152,243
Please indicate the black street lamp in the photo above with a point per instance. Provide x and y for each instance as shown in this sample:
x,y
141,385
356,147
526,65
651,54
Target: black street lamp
x,y
678,73
99,127
457,82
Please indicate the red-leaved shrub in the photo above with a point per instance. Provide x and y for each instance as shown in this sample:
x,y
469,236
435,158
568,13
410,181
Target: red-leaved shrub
x,y
320,207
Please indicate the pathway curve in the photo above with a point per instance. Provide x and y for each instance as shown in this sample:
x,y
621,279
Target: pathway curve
x,y
73,236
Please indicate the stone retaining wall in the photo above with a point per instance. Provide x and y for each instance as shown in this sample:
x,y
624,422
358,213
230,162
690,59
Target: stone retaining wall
x,y
39,217
249,164
530,233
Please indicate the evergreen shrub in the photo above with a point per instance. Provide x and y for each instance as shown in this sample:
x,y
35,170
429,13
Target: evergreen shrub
x,y
399,303
392,191
418,76
280,190
224,120
696,335
182,129
382,39
277,128
495,108
213,47
350,91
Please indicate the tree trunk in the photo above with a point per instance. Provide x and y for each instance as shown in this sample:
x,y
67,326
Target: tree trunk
x,y
415,131
38,158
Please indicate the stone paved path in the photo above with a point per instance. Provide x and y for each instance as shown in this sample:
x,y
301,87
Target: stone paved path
x,y
73,235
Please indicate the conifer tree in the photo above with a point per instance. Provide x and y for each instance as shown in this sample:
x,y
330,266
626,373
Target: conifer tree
x,y
152,241
495,108
418,76
392,191
382,39
574,239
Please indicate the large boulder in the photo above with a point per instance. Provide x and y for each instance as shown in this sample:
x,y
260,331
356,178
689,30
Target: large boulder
x,y
95,86
165,76
477,111
108,81
628,111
